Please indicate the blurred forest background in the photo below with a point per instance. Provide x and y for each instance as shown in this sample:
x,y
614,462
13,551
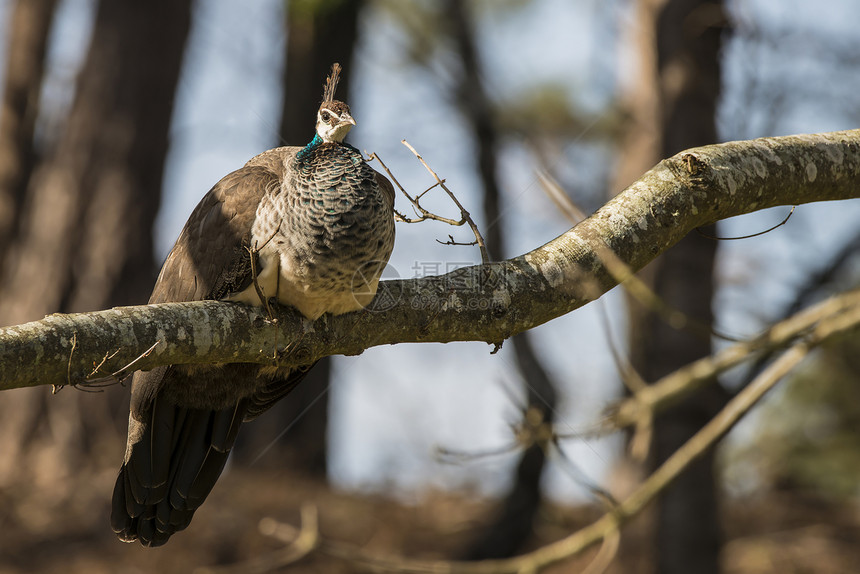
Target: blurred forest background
x,y
118,116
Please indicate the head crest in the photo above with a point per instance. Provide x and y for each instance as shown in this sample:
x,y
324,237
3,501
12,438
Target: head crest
x,y
331,83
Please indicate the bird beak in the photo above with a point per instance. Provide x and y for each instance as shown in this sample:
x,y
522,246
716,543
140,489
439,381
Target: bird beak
x,y
345,118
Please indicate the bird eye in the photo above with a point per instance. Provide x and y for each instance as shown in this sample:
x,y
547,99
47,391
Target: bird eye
x,y
325,116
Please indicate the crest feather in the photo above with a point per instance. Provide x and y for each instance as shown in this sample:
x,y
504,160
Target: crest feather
x,y
331,83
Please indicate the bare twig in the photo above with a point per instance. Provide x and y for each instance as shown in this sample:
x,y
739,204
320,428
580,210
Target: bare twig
x,y
606,554
464,215
629,375
555,192
448,455
751,235
640,443
452,241
106,358
424,214
572,469
118,375
531,429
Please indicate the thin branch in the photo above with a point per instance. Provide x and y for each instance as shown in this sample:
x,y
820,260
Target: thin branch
x,y
126,370
108,356
452,241
424,214
556,193
116,376
464,214
607,553
672,388
813,285
751,235
447,455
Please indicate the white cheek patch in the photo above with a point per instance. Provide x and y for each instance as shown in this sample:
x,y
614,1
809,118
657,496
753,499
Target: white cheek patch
x,y
331,131
326,129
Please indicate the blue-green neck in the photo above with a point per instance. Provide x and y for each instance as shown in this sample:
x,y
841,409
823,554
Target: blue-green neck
x,y
305,151
314,144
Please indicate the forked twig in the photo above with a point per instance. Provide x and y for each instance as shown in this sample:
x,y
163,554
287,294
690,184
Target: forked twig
x,y
105,359
424,214
464,214
115,377
120,374
452,241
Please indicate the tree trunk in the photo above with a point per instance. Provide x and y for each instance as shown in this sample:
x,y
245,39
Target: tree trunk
x,y
28,41
673,107
512,525
688,45
318,34
85,239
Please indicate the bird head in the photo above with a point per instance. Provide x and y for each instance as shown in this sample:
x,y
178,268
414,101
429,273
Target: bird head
x,y
333,121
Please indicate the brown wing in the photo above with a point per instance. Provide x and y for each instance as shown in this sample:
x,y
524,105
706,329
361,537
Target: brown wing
x,y
210,259
176,453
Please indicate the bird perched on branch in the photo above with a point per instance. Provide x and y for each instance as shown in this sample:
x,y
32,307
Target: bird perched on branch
x,y
310,227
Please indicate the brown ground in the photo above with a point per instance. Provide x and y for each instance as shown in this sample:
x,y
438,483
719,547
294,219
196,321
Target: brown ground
x,y
786,534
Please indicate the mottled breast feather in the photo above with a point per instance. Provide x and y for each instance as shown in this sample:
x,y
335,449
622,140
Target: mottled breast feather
x,y
328,224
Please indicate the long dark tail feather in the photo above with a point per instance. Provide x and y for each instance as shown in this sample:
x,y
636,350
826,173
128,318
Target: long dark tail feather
x,y
171,469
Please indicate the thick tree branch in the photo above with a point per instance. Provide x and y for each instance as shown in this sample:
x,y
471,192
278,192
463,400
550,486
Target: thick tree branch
x,y
487,302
